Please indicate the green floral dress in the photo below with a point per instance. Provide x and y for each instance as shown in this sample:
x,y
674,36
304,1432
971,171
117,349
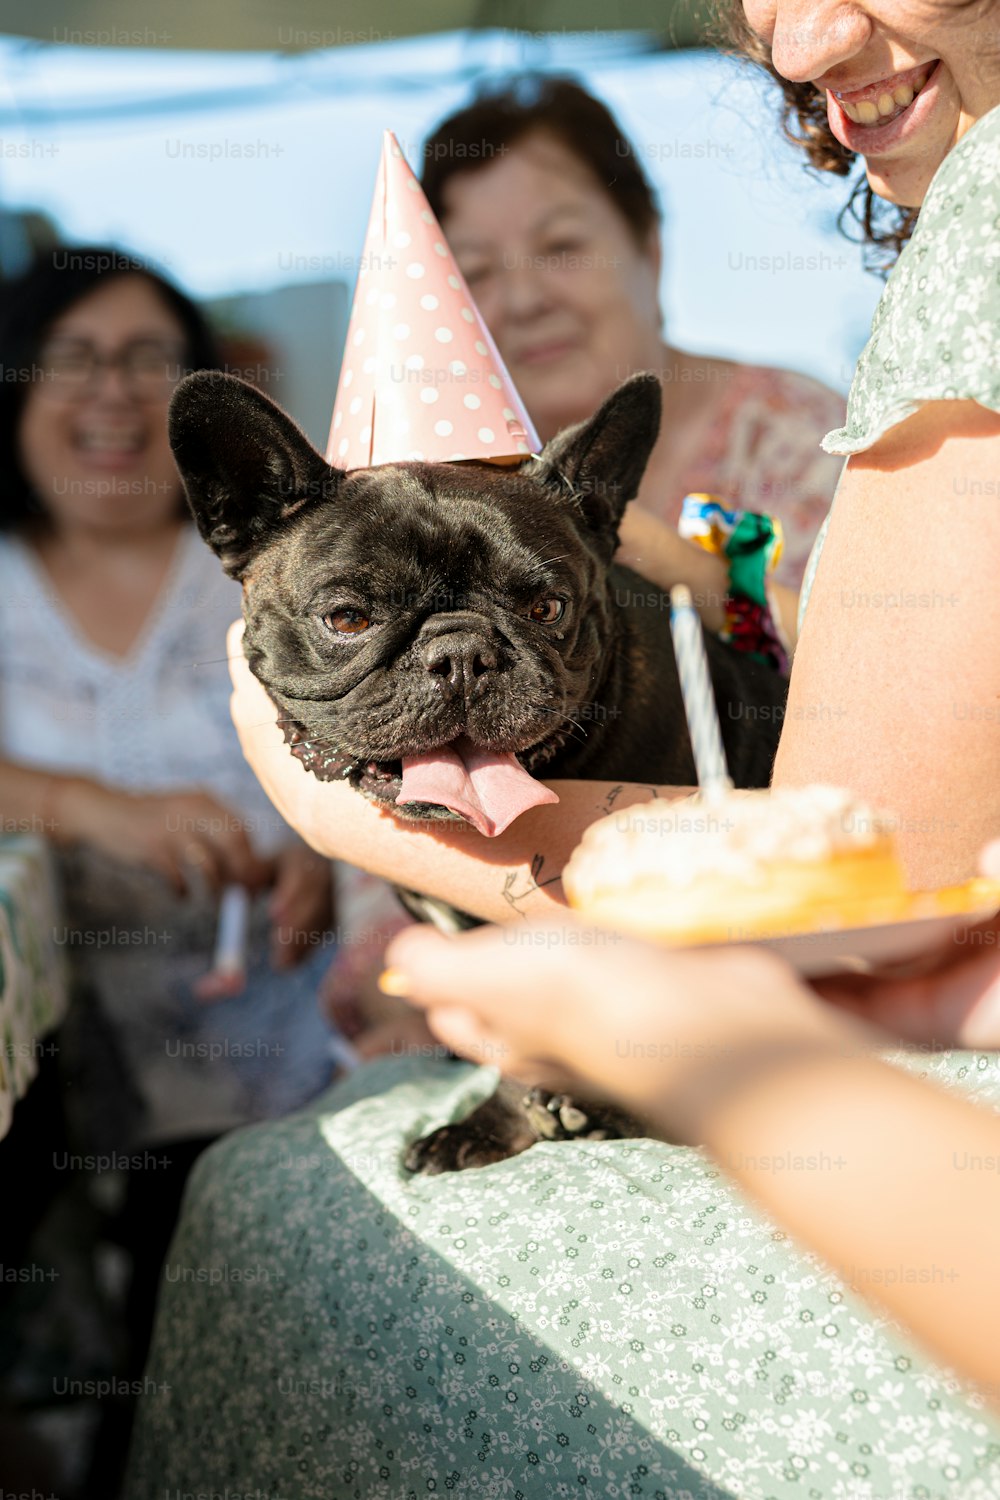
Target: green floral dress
x,y
593,1319
936,331
605,1319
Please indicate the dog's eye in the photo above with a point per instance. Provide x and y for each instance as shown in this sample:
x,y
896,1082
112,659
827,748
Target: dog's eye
x,y
547,611
347,621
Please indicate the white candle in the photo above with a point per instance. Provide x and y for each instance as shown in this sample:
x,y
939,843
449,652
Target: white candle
x,y
696,690
232,931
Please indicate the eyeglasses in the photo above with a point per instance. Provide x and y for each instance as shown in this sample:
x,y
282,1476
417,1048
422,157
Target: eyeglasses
x,y
150,368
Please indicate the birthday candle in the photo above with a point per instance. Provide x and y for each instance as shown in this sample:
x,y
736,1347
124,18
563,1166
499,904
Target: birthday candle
x,y
232,931
696,690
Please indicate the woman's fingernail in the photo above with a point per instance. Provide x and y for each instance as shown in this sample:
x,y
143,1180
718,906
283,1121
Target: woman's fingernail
x,y
394,982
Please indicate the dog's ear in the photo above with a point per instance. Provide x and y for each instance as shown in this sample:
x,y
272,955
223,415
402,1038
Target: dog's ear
x,y
246,467
602,461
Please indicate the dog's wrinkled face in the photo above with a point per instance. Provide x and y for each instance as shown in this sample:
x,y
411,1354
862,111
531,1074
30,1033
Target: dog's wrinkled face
x,y
416,612
428,631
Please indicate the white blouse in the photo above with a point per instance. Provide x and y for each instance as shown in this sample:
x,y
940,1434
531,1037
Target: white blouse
x,y
147,1060
156,720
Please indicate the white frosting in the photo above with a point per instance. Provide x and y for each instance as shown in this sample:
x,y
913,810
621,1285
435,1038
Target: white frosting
x,y
735,837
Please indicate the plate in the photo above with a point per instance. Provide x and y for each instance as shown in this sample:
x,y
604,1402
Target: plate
x,y
935,918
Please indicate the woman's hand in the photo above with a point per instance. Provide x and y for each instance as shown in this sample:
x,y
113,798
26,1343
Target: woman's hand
x,y
296,793
662,1033
372,1021
651,1027
187,837
659,552
301,905
401,1036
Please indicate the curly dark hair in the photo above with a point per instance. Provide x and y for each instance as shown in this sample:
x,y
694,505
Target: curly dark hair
x,y
30,304
884,227
504,113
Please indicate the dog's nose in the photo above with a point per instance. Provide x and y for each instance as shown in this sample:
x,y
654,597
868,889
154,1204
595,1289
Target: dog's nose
x,y
459,663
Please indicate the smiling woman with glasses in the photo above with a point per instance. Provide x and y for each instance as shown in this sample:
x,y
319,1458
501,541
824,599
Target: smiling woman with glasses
x,y
62,342
116,743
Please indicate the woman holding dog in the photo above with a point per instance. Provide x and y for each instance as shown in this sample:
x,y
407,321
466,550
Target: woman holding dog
x,y
620,1319
557,230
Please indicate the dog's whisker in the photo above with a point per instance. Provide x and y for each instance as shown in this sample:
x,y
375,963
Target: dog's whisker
x,y
566,718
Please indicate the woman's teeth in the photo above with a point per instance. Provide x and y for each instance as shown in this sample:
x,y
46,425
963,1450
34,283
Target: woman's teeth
x,y
882,107
112,439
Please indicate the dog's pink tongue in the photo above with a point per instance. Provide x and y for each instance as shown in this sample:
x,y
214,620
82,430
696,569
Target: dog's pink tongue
x,y
489,790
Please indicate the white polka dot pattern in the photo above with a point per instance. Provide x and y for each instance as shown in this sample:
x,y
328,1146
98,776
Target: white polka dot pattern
x,y
421,376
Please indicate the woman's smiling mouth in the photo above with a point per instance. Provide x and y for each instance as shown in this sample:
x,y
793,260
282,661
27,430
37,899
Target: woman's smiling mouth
x,y
872,119
114,438
545,353
879,103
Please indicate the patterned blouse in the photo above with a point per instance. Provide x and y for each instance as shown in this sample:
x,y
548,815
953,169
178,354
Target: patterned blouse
x,y
762,452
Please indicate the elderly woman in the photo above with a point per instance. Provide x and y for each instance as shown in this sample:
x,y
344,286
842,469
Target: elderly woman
x,y
557,231
613,1317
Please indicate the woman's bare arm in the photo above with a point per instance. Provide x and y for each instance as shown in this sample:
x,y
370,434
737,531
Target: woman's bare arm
x,y
497,879
160,831
33,801
896,686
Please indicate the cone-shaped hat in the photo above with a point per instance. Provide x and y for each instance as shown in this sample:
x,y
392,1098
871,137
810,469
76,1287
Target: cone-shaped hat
x,y
421,377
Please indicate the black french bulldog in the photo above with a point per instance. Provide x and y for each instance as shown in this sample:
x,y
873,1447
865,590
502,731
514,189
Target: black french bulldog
x,y
438,635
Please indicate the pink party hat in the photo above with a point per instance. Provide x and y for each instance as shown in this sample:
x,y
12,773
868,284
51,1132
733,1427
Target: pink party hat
x,y
421,377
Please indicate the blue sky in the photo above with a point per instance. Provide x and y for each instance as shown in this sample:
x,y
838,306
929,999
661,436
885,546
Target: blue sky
x,y
246,171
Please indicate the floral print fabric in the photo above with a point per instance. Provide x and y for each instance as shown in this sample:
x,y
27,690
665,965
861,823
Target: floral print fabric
x,y
599,1318
762,452
935,331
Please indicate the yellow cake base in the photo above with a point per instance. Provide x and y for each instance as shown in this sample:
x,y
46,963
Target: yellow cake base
x,y
849,890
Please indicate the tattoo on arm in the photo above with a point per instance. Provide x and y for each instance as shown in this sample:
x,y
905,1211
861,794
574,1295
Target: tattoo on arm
x,y
612,797
512,895
517,888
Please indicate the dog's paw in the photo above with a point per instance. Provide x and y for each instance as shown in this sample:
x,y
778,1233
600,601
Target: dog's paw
x,y
510,1121
496,1129
557,1117
453,1148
